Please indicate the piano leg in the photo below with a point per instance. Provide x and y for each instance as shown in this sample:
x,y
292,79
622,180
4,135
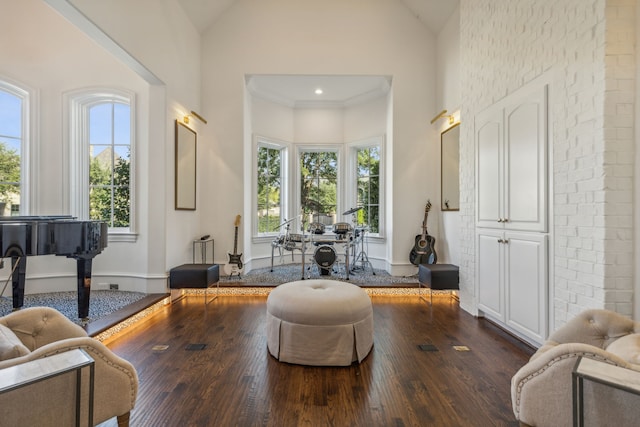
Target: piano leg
x,y
18,277
84,286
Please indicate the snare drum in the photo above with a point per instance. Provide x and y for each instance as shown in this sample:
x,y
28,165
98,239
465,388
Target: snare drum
x,y
325,256
316,228
342,228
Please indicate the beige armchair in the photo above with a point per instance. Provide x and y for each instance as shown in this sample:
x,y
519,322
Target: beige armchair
x,y
38,332
541,390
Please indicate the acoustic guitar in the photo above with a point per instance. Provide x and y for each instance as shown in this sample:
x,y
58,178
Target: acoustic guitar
x,y
234,266
423,251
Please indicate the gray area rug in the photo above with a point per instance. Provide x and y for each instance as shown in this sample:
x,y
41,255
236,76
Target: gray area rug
x,y
283,273
101,303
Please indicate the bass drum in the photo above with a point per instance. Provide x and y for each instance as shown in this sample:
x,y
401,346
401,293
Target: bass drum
x,y
325,256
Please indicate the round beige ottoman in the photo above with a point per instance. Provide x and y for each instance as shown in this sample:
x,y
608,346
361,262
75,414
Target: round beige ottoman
x,y
319,323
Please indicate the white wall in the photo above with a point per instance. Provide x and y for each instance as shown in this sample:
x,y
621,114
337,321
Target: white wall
x,y
636,193
334,37
158,34
448,65
366,120
43,51
587,49
448,90
318,125
164,48
271,120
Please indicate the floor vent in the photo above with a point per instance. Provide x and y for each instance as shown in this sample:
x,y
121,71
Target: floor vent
x,y
195,347
427,347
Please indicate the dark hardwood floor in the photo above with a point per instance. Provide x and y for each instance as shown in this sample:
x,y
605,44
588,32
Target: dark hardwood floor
x,y
234,381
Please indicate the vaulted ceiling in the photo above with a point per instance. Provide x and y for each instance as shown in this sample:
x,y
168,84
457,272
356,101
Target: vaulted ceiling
x,y
433,13
297,91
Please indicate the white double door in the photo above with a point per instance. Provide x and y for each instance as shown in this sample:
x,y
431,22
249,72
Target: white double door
x,y
511,167
512,278
512,212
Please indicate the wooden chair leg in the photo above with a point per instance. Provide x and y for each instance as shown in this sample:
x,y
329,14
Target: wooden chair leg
x,y
123,420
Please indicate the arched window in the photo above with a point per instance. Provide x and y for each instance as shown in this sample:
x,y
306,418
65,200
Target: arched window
x,y
101,152
14,148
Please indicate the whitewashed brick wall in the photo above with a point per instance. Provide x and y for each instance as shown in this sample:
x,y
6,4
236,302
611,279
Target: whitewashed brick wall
x,y
587,47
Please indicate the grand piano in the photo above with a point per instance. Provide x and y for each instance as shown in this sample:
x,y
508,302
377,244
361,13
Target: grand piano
x,y
23,236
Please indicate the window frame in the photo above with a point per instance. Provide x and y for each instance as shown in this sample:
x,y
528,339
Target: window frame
x,y
28,99
318,148
285,190
346,196
352,176
80,102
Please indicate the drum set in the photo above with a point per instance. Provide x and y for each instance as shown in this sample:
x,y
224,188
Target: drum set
x,y
350,238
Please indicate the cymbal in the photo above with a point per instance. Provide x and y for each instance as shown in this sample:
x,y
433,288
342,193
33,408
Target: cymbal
x,y
352,210
284,223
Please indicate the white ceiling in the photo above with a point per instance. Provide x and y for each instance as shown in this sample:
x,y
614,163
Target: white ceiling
x,y
433,13
298,91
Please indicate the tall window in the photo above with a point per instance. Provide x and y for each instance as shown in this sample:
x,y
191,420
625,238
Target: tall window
x,y
368,186
270,194
319,186
12,145
101,167
109,163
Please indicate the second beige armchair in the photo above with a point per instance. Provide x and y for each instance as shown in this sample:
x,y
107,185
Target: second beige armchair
x,y
541,391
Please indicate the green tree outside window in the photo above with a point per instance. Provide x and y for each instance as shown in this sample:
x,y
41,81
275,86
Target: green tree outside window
x,y
319,185
110,162
368,187
269,189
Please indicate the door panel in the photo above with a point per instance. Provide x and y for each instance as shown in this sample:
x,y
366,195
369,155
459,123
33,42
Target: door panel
x,y
489,171
490,287
526,279
525,152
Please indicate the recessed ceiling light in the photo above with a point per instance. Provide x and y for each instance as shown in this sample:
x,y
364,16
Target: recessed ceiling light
x,y
318,91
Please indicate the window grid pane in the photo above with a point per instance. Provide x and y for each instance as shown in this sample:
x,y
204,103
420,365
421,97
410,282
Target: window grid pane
x,y
368,187
11,122
109,168
269,189
319,186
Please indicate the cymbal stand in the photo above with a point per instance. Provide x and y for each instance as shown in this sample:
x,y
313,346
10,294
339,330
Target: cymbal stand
x,y
281,242
362,256
303,248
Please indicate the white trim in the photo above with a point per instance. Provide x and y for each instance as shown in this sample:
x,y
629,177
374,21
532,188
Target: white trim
x,y
88,27
29,161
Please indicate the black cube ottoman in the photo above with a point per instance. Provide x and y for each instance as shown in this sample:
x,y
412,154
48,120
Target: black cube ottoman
x,y
195,276
438,277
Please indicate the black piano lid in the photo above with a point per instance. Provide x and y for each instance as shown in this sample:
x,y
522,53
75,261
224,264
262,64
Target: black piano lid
x,y
32,218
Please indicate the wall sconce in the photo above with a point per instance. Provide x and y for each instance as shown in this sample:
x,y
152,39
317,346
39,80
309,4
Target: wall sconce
x,y
442,114
185,119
